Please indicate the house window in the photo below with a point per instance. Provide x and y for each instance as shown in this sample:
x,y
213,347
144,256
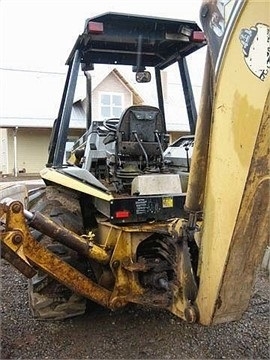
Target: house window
x,y
111,105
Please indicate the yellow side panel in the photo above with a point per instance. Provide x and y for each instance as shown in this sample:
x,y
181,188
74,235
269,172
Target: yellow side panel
x,y
72,183
238,109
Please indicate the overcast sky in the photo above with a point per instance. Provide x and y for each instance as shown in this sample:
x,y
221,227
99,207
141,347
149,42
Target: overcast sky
x,y
39,34
36,37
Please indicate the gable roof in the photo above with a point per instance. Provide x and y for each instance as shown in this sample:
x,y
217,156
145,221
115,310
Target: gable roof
x,y
32,98
137,99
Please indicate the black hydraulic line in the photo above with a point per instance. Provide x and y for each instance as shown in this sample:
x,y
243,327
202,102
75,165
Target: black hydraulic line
x,y
187,156
159,91
88,99
143,149
66,112
188,93
159,145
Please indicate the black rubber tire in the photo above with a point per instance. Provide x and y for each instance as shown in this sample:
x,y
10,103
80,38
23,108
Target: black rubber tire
x,y
48,298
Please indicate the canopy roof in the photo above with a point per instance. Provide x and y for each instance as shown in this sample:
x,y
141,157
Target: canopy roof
x,y
124,39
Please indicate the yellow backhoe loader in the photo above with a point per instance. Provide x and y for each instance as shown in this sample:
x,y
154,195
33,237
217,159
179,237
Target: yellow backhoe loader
x,y
118,222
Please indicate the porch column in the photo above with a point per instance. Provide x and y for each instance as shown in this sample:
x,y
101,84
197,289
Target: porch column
x,y
15,151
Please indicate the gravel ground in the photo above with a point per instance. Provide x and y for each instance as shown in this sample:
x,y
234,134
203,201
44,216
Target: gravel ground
x,y
130,333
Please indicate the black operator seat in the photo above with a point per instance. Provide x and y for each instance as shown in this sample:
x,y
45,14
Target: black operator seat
x,y
141,131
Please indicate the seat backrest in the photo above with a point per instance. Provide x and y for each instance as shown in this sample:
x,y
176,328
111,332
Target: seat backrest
x,y
140,122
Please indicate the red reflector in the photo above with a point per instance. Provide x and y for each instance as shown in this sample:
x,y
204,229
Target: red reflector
x,y
198,36
95,27
123,214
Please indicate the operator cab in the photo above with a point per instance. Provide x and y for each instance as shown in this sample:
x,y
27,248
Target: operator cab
x,y
140,42
121,160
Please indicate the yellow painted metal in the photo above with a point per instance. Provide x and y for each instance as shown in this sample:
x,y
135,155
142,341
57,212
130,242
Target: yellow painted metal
x,y
118,285
99,254
11,240
124,242
82,244
251,233
45,260
239,107
27,254
196,180
126,283
72,159
125,267
235,204
54,176
12,251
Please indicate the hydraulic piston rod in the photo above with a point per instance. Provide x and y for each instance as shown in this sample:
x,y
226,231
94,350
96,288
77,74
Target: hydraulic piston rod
x,y
82,245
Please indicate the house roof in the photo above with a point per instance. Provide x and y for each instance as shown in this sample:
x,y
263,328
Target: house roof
x,y
32,98
137,99
29,98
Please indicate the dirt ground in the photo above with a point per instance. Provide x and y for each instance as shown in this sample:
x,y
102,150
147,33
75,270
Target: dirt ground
x,y
130,333
134,332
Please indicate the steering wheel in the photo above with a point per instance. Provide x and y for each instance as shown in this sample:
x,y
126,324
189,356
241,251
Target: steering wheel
x,y
111,124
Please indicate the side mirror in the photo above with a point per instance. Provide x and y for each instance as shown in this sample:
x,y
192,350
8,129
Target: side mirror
x,y
143,76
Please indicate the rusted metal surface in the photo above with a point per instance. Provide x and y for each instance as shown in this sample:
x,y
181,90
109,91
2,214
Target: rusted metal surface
x,y
43,259
82,245
9,252
125,266
198,170
251,233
